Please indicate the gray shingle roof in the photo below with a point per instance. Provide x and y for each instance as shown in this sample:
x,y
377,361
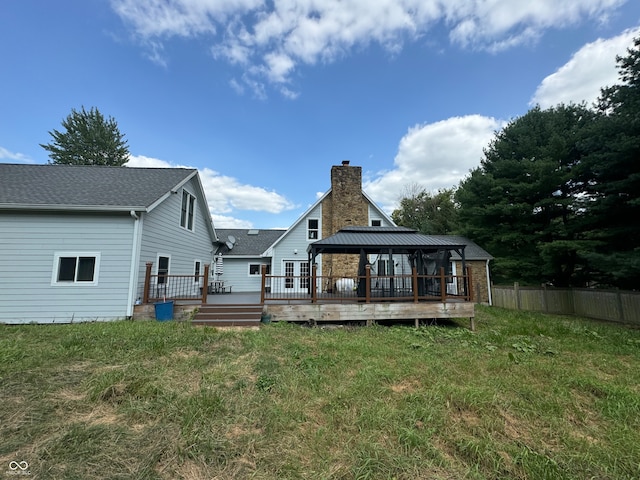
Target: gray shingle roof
x,y
252,242
86,187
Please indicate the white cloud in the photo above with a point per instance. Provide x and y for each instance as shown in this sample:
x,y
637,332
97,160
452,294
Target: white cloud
x,y
223,221
18,157
225,194
433,156
589,69
272,38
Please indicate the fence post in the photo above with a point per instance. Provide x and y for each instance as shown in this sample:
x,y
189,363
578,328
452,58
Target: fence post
x,y
545,300
147,282
205,283
516,292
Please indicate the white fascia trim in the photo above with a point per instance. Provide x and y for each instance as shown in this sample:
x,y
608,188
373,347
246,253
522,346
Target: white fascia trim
x,y
375,205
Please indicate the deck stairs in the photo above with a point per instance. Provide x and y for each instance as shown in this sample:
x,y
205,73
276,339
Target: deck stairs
x,y
229,315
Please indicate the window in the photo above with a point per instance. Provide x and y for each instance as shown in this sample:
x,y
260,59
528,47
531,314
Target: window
x,y
196,271
312,229
75,269
187,211
163,269
289,269
256,268
376,223
304,275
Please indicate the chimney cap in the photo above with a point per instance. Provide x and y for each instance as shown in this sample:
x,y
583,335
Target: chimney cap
x,y
345,163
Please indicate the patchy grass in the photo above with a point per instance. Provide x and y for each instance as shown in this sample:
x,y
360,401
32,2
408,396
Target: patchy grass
x,y
528,396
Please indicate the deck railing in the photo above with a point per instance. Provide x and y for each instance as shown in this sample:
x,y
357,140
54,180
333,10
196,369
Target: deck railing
x,y
366,288
160,287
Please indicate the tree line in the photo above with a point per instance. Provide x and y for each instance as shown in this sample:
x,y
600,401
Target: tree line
x,y
556,198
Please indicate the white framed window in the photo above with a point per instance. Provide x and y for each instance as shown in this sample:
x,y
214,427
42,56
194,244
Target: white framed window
x,y
197,271
313,229
188,211
376,223
254,269
162,268
75,268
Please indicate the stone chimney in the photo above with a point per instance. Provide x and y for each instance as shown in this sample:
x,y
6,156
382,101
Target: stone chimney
x,y
344,206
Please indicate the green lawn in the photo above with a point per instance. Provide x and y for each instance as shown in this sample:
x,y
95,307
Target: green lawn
x,y
526,396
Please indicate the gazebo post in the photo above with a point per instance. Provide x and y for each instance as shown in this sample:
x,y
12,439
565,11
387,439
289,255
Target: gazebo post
x,y
314,290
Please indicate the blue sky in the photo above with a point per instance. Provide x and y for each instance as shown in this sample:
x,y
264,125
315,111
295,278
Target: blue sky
x,y
264,96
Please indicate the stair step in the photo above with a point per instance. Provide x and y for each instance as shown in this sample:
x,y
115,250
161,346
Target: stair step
x,y
226,323
228,315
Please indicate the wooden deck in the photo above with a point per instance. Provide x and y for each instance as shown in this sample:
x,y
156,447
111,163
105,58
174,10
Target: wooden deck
x,y
369,312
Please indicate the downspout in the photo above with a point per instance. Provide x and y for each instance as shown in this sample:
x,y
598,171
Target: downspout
x,y
135,255
489,285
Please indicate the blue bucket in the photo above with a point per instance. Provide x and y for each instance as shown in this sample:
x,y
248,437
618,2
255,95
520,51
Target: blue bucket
x,y
164,311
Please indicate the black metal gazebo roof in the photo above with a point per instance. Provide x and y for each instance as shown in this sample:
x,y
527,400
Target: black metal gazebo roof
x,y
373,240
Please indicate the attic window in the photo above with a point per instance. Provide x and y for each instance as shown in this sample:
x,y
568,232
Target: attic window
x,y
376,223
312,229
187,211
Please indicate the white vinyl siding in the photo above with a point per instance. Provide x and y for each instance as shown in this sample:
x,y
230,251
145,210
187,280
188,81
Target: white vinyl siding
x,y
236,273
28,247
162,235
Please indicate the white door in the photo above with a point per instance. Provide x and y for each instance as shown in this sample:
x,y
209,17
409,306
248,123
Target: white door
x,y
296,276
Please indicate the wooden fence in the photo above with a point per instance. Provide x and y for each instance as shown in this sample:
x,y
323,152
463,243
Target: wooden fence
x,y
612,305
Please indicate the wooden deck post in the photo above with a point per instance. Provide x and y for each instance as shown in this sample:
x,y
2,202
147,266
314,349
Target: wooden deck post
x,y
147,282
314,286
263,284
443,286
470,280
205,283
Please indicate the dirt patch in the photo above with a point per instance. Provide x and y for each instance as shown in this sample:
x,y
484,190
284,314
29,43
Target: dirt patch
x,y
407,386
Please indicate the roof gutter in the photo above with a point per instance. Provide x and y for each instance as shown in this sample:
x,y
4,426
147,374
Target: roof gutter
x,y
66,208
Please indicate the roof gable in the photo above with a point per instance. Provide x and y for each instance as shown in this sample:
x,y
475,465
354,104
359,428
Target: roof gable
x,y
312,207
84,187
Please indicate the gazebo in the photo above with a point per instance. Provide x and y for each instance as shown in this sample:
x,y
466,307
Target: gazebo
x,y
422,293
426,256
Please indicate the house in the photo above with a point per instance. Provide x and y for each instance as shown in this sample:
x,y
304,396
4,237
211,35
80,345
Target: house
x,y
344,205
241,251
75,240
